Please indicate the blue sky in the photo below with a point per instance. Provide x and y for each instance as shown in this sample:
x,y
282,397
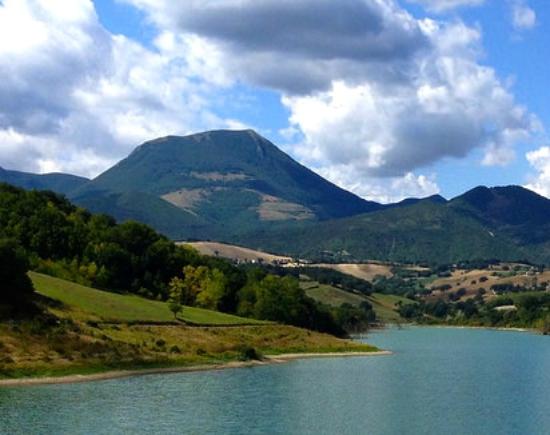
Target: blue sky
x,y
406,98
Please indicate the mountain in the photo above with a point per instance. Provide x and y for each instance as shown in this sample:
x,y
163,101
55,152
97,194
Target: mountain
x,y
520,213
423,232
61,183
229,181
506,223
237,187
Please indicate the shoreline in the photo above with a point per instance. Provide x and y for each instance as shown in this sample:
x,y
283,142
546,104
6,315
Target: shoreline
x,y
119,374
490,328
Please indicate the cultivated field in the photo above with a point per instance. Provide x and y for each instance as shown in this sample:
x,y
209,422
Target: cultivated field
x,y
330,295
366,271
236,253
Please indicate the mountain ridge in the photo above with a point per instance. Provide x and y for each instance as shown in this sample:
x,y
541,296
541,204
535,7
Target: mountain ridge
x,y
56,181
236,186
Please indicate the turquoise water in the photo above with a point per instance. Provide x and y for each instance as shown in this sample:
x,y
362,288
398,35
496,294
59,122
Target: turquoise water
x,y
439,381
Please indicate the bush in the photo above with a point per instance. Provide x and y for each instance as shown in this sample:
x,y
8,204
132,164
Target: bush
x,y
248,353
160,343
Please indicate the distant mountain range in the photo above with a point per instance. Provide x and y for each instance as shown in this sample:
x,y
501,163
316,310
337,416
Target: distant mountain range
x,y
236,186
61,183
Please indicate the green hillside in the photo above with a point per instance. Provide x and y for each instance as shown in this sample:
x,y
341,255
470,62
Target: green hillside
x,y
86,303
148,209
95,331
521,214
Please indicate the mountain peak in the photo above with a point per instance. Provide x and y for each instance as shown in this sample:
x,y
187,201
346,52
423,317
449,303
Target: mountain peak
x,y
230,178
239,143
513,205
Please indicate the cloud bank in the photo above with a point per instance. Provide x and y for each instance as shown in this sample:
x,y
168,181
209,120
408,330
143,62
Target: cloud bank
x,y
370,88
375,96
76,98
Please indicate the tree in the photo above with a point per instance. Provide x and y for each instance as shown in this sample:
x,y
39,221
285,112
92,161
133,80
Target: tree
x,y
193,283
175,295
213,290
15,286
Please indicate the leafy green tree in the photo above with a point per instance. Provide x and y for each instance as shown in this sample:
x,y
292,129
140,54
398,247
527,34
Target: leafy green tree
x,y
194,280
175,296
213,290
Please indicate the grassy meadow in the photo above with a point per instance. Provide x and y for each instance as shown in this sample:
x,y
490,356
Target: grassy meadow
x,y
86,304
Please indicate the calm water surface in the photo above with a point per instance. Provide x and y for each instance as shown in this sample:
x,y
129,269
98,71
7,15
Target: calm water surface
x,y
439,381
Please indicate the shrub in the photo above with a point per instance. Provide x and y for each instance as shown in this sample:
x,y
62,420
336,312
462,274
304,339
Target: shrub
x,y
248,353
160,342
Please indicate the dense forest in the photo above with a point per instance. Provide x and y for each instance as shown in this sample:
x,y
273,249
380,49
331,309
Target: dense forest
x,y
44,232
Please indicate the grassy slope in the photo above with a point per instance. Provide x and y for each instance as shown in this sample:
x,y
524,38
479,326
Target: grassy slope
x,y
330,295
383,305
34,348
91,304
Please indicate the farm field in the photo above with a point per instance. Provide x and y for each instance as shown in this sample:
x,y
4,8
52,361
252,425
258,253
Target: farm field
x,y
366,271
330,295
237,253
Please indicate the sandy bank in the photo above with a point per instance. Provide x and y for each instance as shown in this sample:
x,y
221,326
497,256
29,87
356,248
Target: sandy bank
x,y
116,374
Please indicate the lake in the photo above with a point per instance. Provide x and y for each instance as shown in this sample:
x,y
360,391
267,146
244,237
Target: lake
x,y
440,380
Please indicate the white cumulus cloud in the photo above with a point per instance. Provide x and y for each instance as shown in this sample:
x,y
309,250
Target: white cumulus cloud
x,y
76,98
369,88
